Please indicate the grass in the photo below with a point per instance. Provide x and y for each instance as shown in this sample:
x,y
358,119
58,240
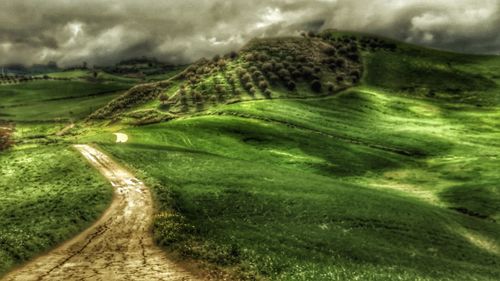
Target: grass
x,y
395,179
50,100
295,190
47,195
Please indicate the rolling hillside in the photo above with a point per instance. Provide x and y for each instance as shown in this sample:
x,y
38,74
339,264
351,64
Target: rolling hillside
x,y
337,157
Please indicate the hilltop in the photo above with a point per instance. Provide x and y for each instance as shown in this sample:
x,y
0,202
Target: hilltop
x,y
311,66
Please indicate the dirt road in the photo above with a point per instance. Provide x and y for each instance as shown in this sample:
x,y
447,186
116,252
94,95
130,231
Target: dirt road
x,y
117,247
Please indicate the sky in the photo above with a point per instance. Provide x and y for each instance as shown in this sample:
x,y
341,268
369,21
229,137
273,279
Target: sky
x,y
103,32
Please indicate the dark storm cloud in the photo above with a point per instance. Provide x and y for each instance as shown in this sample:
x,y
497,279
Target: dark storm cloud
x,y
106,31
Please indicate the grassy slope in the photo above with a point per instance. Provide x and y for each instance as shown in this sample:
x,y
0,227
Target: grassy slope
x,y
47,194
364,184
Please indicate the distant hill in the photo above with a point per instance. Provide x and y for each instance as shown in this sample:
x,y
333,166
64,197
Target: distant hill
x,y
313,65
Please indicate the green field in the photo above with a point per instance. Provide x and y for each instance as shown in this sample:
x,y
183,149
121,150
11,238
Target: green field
x,y
394,178
55,100
47,195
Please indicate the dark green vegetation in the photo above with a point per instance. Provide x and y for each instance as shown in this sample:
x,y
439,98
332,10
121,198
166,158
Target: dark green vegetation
x,y
393,179
47,194
332,157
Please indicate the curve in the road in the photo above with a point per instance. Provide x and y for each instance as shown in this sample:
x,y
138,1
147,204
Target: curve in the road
x,y
117,247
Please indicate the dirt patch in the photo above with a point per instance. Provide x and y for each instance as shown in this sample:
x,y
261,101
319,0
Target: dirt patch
x,y
5,136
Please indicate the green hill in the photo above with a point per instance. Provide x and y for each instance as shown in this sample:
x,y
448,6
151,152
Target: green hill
x,y
341,156
337,157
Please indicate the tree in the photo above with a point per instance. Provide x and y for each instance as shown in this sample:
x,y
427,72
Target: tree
x,y
263,85
163,99
267,67
307,72
330,87
316,86
330,51
284,74
267,93
233,55
246,78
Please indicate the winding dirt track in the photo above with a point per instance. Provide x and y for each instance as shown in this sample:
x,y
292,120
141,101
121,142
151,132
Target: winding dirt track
x,y
117,247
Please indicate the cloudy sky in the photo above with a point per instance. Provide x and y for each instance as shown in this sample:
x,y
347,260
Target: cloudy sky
x,y
106,31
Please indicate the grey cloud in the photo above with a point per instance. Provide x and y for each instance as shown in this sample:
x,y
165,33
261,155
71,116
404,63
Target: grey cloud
x,y
104,32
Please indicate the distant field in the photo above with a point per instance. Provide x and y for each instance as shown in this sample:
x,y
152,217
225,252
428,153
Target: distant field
x,y
49,100
47,195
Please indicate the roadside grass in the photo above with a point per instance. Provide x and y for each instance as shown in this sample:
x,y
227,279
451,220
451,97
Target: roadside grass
x,y
47,195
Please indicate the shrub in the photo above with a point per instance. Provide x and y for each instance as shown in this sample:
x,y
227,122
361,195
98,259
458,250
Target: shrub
x,y
283,73
267,67
163,98
291,86
268,93
246,78
233,55
330,51
340,63
273,77
307,72
356,75
221,64
279,66
250,57
257,74
219,89
301,58
263,85
197,98
296,74
316,86
353,57
330,87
